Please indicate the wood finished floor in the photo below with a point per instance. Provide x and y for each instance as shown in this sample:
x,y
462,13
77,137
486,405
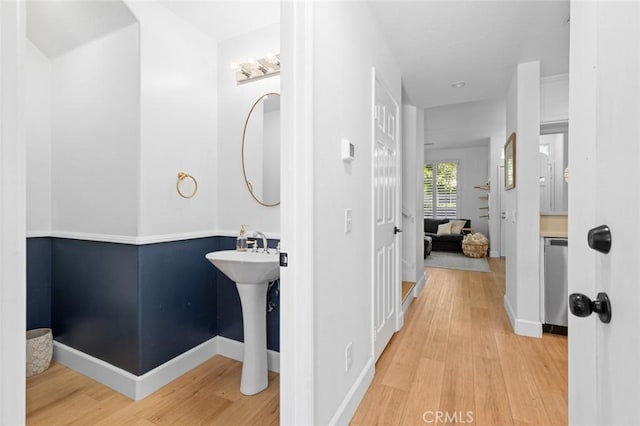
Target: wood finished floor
x,y
407,286
207,395
455,354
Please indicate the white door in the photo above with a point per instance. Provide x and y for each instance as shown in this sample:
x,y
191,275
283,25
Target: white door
x,y
386,213
604,188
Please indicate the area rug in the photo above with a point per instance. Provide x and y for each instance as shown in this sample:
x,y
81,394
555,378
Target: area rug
x,y
447,260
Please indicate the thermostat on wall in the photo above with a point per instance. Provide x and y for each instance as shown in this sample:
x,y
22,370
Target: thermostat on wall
x,y
348,150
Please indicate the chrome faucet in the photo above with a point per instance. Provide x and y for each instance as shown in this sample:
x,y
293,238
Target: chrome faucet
x,y
264,240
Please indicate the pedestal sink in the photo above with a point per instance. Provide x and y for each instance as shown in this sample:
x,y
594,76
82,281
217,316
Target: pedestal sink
x,y
252,273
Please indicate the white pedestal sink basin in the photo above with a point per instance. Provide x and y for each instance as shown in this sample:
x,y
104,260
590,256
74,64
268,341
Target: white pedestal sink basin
x,y
252,273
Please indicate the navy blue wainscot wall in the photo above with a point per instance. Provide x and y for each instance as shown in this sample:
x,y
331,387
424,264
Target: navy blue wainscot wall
x,y
179,299
135,307
95,299
38,282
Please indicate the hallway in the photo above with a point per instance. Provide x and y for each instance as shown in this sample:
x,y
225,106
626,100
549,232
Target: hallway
x,y
457,360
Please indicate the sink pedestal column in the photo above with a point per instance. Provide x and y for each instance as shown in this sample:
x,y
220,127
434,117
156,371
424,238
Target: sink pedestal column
x,y
253,298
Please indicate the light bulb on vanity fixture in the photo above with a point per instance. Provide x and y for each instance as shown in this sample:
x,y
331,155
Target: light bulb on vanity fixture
x,y
275,59
264,70
257,68
240,69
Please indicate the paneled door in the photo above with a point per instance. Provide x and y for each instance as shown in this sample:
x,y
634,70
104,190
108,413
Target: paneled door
x,y
604,189
386,213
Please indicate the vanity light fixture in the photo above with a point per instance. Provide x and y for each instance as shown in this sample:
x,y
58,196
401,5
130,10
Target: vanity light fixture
x,y
257,68
275,59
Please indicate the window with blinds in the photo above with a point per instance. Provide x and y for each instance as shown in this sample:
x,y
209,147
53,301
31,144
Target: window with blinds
x,y
440,190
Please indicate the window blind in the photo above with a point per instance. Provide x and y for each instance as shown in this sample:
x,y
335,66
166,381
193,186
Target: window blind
x,y
440,190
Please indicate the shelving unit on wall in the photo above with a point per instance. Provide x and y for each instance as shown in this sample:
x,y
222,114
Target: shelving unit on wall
x,y
485,187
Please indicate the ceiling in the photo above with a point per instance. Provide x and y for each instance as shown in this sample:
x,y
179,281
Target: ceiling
x,y
230,18
464,125
59,26
480,42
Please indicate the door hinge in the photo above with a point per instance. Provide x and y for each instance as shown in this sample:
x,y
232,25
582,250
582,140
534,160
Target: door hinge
x,y
284,259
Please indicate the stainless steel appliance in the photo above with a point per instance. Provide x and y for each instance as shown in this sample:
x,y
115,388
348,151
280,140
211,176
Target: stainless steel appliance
x,y
556,298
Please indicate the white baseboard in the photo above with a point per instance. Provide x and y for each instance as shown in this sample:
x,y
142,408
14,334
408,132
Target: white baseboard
x,y
494,253
420,285
352,400
407,302
528,328
520,326
139,387
400,317
510,314
109,375
235,350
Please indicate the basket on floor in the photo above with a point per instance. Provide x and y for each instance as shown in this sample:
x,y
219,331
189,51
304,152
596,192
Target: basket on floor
x,y
474,249
39,350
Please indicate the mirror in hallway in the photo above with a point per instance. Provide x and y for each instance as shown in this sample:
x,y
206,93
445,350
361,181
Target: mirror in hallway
x,y
554,160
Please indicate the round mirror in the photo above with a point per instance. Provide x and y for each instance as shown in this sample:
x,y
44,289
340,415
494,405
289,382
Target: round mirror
x,y
261,150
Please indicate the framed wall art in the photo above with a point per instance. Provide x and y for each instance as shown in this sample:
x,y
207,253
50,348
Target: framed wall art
x,y
510,162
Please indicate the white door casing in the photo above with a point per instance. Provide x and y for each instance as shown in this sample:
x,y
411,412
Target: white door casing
x,y
386,182
297,347
604,188
12,214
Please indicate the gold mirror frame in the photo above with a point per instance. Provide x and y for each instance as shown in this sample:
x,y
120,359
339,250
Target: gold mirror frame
x,y
244,133
510,162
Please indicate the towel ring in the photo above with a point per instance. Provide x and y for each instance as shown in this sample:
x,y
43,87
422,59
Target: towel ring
x,y
182,176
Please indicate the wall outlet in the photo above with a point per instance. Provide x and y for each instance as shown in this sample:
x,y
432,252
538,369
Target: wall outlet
x,y
347,150
348,357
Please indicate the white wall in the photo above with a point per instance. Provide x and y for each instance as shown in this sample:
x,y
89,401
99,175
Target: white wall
x,y
554,107
554,98
463,125
38,137
95,136
472,171
412,193
342,108
178,99
522,299
235,204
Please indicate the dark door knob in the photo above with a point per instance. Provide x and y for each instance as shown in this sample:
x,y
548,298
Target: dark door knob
x,y
581,306
599,238
396,230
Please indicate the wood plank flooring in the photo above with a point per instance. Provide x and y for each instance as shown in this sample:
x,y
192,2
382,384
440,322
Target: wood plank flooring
x,y
209,395
456,355
407,286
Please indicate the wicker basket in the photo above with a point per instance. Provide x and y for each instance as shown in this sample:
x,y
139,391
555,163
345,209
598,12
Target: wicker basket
x,y
39,350
474,249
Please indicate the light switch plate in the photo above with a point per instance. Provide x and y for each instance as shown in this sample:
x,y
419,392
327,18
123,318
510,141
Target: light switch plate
x,y
348,220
